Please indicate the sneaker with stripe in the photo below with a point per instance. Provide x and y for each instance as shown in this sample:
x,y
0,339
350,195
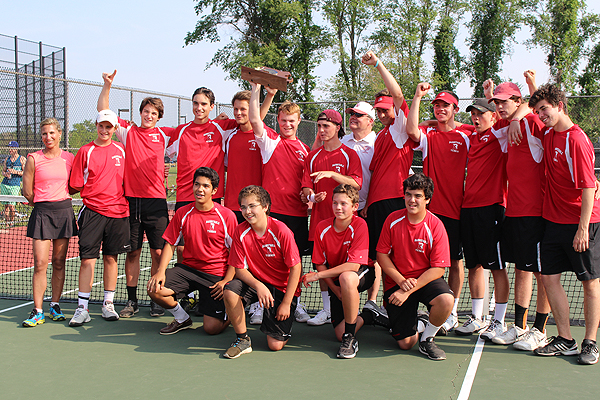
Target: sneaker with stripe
x,y
558,345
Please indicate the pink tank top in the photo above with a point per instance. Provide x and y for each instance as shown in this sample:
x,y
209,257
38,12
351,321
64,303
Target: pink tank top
x,y
51,178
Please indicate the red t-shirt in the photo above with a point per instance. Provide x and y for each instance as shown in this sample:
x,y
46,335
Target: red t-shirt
x,y
283,165
51,176
99,170
392,158
199,145
414,248
144,159
569,160
524,168
485,183
268,258
342,160
244,165
444,161
207,237
335,248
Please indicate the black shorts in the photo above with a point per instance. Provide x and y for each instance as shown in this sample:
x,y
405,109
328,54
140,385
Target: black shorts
x,y
559,256
148,216
299,227
96,230
366,277
481,230
521,240
403,319
453,230
52,220
377,213
178,205
183,280
279,330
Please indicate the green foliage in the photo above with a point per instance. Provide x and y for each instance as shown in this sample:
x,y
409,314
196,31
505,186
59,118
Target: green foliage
x,y
82,133
492,30
562,28
275,33
589,81
447,62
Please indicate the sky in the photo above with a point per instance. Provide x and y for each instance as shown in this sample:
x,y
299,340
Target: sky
x,y
144,41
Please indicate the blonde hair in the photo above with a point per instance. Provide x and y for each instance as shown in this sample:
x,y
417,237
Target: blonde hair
x,y
287,107
51,121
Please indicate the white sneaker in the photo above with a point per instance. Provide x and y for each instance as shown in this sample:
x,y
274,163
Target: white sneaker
x,y
511,335
256,314
108,312
448,326
80,317
300,314
531,340
494,329
322,317
471,326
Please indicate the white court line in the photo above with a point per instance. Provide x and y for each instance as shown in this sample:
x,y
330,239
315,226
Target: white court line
x,y
465,389
68,292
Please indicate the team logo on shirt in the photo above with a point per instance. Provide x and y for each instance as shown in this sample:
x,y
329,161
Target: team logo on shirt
x,y
420,245
300,155
154,137
212,225
455,146
117,160
557,152
252,144
208,137
269,247
338,167
485,138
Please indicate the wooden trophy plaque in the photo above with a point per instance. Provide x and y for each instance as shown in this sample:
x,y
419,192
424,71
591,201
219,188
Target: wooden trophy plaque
x,y
266,76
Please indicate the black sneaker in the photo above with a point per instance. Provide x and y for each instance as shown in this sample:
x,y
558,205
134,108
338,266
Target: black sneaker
x,y
130,309
188,304
589,353
156,310
349,346
377,316
431,350
558,345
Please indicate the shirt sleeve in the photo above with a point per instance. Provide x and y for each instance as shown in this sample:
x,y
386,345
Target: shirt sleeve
x,y
440,250
173,232
318,254
385,243
289,247
582,154
76,179
359,248
355,167
306,179
236,252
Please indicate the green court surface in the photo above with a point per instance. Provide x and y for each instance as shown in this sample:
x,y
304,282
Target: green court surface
x,y
129,359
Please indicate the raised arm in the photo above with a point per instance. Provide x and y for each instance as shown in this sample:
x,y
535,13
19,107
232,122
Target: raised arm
x,y
412,123
103,103
530,79
254,115
390,82
264,108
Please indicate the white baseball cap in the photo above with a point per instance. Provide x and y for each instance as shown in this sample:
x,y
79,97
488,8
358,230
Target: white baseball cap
x,y
362,107
108,116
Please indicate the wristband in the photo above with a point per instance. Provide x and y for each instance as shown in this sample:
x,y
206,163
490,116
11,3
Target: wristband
x,y
311,198
377,63
515,119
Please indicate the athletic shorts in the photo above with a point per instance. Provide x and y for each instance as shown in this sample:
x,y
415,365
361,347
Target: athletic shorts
x,y
178,205
403,319
377,213
521,240
559,256
366,277
52,220
148,216
299,227
183,280
481,230
10,190
97,230
278,330
453,230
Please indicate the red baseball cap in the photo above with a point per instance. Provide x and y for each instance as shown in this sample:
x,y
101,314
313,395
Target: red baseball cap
x,y
331,116
446,97
505,91
385,102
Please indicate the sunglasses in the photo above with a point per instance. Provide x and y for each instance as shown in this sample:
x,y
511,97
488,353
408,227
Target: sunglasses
x,y
355,114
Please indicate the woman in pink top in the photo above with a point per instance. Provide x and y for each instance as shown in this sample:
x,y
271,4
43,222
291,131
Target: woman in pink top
x,y
45,185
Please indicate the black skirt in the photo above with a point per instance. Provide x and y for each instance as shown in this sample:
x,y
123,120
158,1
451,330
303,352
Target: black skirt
x,y
52,220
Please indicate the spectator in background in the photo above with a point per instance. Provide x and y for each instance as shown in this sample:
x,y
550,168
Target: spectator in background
x,y
12,171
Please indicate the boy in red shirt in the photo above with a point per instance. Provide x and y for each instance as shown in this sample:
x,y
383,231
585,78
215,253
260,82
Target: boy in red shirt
x,y
572,217
341,255
413,252
268,270
206,227
97,173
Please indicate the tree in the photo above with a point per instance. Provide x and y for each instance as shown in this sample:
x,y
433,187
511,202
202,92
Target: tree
x,y
562,28
275,33
447,62
493,26
82,133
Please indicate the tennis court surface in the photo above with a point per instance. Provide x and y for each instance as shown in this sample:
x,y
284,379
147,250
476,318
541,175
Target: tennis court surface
x,y
129,359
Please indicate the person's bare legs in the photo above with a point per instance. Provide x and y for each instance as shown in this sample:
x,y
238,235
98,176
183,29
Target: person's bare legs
x,y
41,253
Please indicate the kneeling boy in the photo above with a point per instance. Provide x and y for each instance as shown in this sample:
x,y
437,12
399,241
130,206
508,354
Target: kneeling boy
x,y
341,252
206,227
268,269
413,251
